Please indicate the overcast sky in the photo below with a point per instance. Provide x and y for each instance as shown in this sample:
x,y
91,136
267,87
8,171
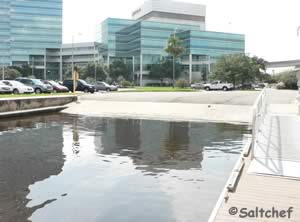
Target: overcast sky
x,y
270,26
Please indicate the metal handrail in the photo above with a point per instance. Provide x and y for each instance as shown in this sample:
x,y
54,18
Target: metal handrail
x,y
259,112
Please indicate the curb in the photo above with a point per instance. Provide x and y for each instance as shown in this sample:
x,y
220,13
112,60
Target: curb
x,y
32,111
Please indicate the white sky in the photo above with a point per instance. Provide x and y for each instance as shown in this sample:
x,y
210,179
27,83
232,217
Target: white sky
x,y
270,26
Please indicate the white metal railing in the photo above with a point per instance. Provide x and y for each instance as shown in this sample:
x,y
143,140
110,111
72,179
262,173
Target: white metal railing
x,y
260,109
259,112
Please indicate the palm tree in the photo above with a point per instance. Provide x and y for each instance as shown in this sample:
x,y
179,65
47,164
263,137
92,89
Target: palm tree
x,y
175,49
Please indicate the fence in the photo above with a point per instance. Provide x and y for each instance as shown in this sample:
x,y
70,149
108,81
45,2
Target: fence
x,y
259,112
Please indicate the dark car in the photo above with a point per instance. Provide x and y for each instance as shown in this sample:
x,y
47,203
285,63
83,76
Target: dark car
x,y
37,85
56,87
245,86
81,86
103,86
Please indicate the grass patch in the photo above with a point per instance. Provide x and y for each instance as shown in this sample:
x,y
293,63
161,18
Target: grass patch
x,y
35,95
162,89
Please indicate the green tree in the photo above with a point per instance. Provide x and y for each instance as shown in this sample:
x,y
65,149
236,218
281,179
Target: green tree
x,y
239,69
89,72
119,68
175,49
11,74
25,70
163,69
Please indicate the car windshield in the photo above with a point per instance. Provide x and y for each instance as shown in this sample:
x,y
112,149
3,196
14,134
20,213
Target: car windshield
x,y
103,83
37,82
53,83
15,83
82,81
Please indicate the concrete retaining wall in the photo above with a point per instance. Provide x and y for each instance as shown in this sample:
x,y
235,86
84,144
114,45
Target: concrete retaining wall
x,y
29,103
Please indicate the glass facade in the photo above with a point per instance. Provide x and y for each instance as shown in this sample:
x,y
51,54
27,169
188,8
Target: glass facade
x,y
28,28
212,44
109,28
144,41
127,38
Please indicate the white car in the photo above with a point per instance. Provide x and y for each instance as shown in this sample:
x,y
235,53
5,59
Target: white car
x,y
5,88
18,87
218,85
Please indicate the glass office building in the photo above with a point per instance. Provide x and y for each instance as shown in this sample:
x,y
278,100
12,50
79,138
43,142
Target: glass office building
x,y
27,29
142,40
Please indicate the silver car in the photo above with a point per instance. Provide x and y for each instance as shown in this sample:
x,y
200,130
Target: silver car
x,y
103,86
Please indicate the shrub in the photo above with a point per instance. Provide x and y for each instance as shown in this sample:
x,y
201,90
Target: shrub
x,y
108,80
120,79
181,83
289,79
126,83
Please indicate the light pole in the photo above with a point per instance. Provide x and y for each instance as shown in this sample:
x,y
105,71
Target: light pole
x,y
32,71
3,63
3,71
95,62
73,37
298,74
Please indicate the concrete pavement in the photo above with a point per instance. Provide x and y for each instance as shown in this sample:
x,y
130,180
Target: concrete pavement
x,y
232,106
197,97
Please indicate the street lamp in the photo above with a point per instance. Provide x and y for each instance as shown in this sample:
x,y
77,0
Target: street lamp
x,y
73,37
3,68
95,61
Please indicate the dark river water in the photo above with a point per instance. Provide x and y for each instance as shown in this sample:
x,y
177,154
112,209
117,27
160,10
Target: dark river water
x,y
62,168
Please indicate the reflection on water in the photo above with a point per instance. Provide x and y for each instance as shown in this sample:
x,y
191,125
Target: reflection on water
x,y
70,168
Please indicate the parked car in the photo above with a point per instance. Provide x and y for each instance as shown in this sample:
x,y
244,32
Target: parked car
x,y
36,84
218,85
103,86
18,87
197,86
81,86
5,88
245,86
56,86
260,85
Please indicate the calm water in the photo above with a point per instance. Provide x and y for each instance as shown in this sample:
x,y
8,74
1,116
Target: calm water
x,y
75,169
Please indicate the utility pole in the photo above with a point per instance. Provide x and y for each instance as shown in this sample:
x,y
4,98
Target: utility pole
x,y
95,62
3,71
73,36
32,71
72,54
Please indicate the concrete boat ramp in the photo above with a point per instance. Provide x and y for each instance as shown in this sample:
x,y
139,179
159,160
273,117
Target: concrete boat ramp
x,y
265,185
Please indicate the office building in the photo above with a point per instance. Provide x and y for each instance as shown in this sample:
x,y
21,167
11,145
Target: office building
x,y
276,67
27,29
59,61
142,39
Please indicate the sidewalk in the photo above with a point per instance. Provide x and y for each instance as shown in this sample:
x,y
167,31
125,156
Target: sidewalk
x,y
271,180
